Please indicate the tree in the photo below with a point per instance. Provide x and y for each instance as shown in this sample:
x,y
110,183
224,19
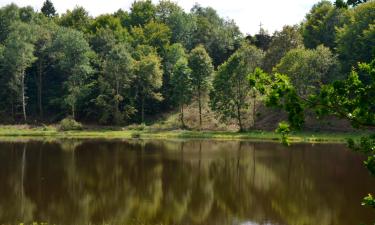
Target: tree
x,y
308,69
173,54
181,24
72,56
282,42
321,24
141,12
181,83
48,9
219,37
356,40
115,81
18,56
202,70
230,96
44,35
78,19
148,76
261,40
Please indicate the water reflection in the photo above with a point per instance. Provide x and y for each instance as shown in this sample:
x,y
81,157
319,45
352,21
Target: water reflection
x,y
178,182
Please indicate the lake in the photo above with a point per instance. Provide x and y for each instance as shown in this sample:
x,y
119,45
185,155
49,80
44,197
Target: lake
x,y
194,182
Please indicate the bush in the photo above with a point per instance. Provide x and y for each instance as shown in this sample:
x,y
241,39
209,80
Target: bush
x,y
69,124
139,127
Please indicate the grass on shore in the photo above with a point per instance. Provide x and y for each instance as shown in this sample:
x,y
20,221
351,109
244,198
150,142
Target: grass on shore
x,y
51,131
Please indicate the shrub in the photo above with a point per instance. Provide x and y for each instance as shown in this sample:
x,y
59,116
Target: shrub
x,y
140,127
69,124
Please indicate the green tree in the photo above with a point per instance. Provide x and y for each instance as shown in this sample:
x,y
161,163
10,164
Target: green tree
x,y
142,12
44,35
219,37
202,69
356,40
115,83
282,42
148,76
72,56
172,54
18,57
182,86
308,69
321,24
48,9
231,93
181,24
78,19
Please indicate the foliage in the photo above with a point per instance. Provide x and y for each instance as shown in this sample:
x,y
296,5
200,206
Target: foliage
x,y
148,76
69,124
219,37
282,42
48,9
308,69
356,39
182,85
230,95
321,24
351,99
202,69
72,56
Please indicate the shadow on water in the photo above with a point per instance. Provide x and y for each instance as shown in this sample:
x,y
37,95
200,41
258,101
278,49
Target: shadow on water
x,y
181,182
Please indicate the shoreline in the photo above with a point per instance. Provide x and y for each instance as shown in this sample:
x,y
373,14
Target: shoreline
x,y
7,132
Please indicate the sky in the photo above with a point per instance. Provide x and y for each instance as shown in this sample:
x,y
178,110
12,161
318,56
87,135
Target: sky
x,y
248,14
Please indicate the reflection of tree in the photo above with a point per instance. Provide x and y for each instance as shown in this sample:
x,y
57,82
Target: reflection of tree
x,y
177,182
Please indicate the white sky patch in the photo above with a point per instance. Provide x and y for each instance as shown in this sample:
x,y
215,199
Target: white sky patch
x,y
248,14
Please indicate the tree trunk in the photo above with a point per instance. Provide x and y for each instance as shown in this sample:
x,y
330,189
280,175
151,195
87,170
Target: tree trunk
x,y
239,117
200,108
182,116
23,96
143,109
40,86
73,111
254,109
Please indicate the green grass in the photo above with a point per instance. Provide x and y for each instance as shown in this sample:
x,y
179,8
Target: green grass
x,y
107,133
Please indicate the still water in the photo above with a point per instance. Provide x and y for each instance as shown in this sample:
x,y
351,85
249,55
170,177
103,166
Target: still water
x,y
181,182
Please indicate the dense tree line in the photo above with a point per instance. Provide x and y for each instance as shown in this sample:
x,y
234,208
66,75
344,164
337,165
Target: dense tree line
x,y
127,66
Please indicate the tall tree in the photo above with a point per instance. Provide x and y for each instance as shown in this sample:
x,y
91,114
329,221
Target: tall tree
x,y
48,9
173,54
182,86
72,55
202,69
115,81
231,93
44,35
148,76
18,57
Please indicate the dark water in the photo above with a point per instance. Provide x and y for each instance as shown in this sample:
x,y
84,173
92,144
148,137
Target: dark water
x,y
175,182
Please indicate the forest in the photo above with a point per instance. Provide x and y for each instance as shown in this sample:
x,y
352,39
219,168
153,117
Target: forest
x,y
131,66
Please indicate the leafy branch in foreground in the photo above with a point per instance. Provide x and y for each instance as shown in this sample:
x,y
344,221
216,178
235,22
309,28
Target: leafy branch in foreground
x,y
352,99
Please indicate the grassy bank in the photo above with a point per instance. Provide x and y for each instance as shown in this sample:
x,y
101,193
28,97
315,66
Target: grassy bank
x,y
51,131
